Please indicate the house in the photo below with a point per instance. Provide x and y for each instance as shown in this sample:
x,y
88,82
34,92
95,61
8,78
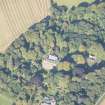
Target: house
x,y
49,62
52,58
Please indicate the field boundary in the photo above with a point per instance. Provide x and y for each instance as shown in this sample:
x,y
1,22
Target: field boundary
x,y
100,99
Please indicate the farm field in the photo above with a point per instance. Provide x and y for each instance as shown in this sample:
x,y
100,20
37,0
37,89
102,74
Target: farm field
x,y
72,2
103,102
16,16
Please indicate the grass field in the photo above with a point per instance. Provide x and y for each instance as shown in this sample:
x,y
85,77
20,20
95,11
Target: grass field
x,y
72,2
5,99
18,15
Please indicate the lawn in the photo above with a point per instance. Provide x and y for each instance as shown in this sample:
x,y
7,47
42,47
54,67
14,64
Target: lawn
x,y
72,2
5,99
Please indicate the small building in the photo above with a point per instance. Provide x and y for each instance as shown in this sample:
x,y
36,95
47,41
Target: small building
x,y
92,57
52,57
49,62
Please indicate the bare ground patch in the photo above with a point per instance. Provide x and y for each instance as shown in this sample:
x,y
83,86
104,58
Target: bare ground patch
x,y
46,64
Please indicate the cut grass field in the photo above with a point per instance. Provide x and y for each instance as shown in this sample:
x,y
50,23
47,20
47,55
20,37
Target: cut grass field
x,y
18,15
72,2
5,99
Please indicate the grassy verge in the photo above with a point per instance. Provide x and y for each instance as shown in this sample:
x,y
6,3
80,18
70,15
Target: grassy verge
x,y
72,2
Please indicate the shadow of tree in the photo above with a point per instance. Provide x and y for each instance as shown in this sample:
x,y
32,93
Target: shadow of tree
x,y
96,2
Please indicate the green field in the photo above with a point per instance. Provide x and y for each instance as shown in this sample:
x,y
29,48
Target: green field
x,y
72,2
5,99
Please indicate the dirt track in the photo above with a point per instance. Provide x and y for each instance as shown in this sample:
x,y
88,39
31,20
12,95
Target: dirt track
x,y
17,15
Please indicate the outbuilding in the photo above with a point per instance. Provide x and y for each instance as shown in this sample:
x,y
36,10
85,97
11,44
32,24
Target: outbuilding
x,y
52,57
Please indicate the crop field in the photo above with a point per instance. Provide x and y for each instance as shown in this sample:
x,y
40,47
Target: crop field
x,y
72,2
17,15
103,102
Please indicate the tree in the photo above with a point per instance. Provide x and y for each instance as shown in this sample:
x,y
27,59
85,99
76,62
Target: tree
x,y
79,59
100,53
64,66
62,83
2,58
32,37
82,48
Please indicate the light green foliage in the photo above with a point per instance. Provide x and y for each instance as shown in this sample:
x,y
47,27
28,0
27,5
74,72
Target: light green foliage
x,y
59,41
64,66
71,2
79,59
28,55
32,37
91,76
97,50
60,84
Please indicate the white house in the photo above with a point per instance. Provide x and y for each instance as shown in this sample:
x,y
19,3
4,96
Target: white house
x,y
52,57
50,62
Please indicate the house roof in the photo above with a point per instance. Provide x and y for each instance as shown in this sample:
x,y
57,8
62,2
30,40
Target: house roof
x,y
53,57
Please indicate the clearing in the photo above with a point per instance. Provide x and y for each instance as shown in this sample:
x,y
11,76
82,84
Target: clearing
x,y
48,65
50,62
5,99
